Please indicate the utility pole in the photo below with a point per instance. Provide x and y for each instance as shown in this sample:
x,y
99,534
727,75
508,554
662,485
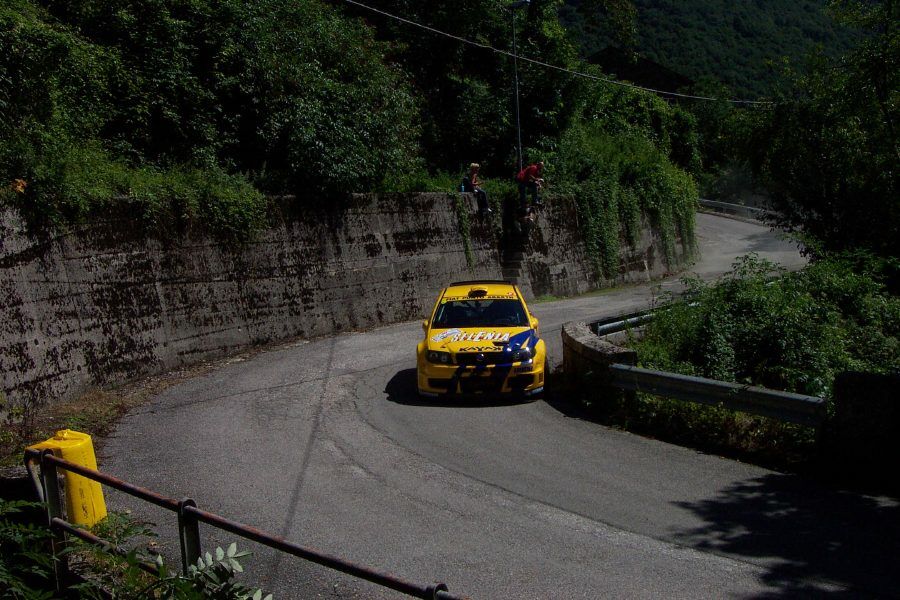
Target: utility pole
x,y
513,7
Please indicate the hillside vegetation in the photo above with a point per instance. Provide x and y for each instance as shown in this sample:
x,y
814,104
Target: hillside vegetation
x,y
192,108
191,111
738,44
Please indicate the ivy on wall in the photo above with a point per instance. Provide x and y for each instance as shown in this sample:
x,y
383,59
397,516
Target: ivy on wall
x,y
620,180
461,207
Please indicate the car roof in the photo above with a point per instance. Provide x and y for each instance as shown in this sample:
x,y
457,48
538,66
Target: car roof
x,y
492,287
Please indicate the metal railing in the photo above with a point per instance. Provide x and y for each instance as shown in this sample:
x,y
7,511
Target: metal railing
x,y
784,406
749,212
189,519
622,323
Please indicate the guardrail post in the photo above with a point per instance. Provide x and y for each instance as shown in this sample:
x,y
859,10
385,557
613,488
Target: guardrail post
x,y
53,500
188,535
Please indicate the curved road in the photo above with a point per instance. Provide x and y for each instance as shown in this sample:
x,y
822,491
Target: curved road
x,y
324,442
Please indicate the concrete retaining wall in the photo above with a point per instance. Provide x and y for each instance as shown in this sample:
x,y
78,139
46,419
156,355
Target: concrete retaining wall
x,y
557,263
586,358
105,302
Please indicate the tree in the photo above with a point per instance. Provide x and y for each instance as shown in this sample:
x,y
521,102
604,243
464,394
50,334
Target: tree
x,y
289,92
829,149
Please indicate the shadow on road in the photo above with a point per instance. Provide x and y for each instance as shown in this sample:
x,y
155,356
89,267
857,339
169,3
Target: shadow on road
x,y
765,242
802,533
401,389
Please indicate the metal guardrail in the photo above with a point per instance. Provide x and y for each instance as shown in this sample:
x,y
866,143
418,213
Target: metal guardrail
x,y
189,519
749,212
784,406
602,328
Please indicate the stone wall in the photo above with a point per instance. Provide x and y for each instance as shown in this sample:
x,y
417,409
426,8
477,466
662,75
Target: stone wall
x,y
106,302
587,357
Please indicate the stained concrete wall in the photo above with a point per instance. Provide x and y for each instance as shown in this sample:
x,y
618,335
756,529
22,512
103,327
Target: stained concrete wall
x,y
556,260
105,302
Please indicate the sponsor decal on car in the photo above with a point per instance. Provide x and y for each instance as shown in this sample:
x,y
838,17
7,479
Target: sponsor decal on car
x,y
479,336
445,334
507,296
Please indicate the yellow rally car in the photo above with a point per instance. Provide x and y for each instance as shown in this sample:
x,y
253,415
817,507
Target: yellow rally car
x,y
480,339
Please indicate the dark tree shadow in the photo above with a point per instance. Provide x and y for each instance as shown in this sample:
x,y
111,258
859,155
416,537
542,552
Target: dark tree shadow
x,y
811,540
766,242
401,389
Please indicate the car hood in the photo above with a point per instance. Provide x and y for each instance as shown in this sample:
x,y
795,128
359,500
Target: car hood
x,y
480,339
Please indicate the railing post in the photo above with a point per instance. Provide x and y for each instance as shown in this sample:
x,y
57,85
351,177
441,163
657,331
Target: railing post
x,y
53,500
188,534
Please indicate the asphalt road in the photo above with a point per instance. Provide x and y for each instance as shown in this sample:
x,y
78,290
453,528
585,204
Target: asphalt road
x,y
325,442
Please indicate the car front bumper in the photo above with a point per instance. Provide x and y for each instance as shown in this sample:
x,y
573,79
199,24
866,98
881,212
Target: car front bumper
x,y
521,378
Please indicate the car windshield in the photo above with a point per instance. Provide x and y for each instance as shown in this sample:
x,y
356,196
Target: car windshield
x,y
480,313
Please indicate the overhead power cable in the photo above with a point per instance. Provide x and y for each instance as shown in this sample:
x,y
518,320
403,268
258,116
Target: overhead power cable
x,y
548,65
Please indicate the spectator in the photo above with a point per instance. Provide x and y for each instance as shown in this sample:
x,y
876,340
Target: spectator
x,y
471,185
529,180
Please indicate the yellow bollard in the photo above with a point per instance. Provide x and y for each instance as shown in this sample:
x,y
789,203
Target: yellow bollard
x,y
84,497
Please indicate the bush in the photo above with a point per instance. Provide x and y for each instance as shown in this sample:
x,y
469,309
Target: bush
x,y
785,331
763,326
178,107
80,182
619,179
26,566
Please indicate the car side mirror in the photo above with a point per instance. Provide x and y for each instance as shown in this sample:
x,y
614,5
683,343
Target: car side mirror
x,y
534,322
425,325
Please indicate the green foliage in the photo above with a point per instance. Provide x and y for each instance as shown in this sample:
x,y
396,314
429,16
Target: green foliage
x,y
837,182
27,565
178,106
122,578
212,577
182,112
763,326
620,177
733,43
784,331
26,568
82,181
467,109
710,428
613,20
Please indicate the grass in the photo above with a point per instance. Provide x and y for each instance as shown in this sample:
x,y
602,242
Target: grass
x,y
715,430
95,412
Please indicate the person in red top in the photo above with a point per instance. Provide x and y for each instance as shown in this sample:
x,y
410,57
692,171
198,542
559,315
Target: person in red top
x,y
529,180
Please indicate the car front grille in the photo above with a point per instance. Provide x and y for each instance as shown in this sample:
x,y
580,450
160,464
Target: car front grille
x,y
480,358
472,385
439,384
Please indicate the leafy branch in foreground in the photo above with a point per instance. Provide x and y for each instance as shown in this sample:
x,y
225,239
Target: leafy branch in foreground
x,y
26,568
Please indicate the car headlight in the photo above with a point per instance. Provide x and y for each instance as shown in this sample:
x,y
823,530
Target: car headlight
x,y
523,354
441,358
